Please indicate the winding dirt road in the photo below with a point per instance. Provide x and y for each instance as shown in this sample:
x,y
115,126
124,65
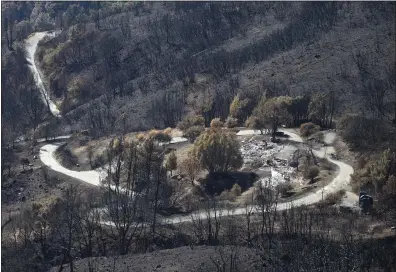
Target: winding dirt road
x,y
341,181
47,156
31,47
93,177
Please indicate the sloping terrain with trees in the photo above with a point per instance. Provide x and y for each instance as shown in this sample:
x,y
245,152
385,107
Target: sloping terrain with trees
x,y
118,66
155,98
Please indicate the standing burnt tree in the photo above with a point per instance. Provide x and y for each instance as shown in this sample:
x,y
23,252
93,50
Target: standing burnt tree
x,y
136,188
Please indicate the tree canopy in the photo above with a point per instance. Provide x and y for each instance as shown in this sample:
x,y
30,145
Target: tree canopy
x,y
271,113
237,107
192,126
321,108
218,151
308,129
171,163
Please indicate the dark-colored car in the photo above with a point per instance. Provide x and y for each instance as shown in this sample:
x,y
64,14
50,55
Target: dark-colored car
x,y
365,201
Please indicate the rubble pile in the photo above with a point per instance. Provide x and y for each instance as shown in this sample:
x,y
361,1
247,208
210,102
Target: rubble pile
x,y
268,157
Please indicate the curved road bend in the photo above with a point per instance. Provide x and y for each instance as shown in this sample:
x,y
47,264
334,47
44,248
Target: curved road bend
x,y
93,177
341,181
31,47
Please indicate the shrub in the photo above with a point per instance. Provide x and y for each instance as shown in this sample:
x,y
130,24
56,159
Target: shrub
x,y
387,202
191,121
193,133
116,143
359,131
312,172
65,105
284,189
236,190
191,166
141,137
254,123
116,146
152,133
168,131
171,163
238,108
216,123
158,135
231,122
333,198
227,195
192,127
162,137
376,171
25,161
80,88
308,129
99,161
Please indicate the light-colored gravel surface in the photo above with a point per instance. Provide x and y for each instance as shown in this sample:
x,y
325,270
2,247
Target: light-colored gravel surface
x,y
31,47
94,177
292,136
341,181
47,156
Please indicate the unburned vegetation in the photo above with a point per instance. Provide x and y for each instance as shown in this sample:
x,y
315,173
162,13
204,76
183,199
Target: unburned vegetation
x,y
222,134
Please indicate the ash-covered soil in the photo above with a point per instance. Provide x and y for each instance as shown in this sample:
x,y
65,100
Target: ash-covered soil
x,y
271,161
200,258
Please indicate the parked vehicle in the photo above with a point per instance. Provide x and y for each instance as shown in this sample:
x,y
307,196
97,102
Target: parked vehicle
x,y
365,202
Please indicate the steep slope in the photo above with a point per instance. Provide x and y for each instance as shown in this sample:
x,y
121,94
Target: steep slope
x,y
139,71
31,47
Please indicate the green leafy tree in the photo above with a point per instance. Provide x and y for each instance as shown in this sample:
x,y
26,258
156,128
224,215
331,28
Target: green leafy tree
x,y
273,112
162,137
361,131
171,163
192,126
190,121
254,122
377,173
218,151
321,108
192,133
231,122
382,168
237,108
191,166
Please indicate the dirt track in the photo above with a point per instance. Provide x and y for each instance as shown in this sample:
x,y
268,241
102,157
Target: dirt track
x,y
31,47
341,181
